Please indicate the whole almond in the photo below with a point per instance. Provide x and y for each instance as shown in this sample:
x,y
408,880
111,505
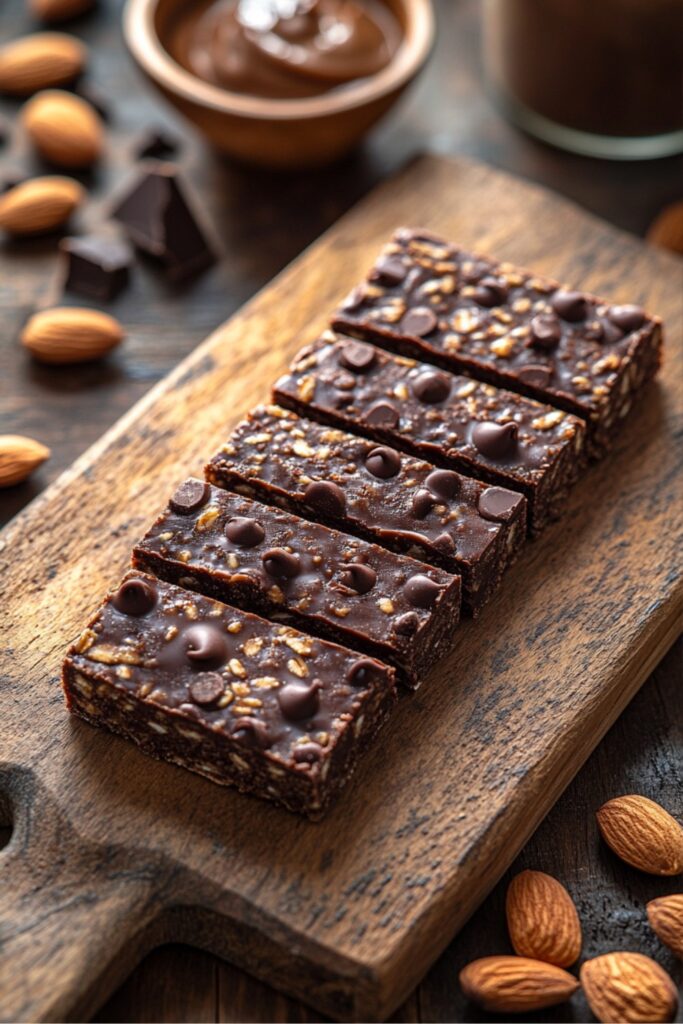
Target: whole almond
x,y
40,61
542,919
60,10
64,128
666,229
39,205
70,334
515,984
19,456
643,834
665,915
628,988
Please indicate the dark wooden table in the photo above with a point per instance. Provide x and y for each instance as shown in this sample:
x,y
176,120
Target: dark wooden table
x,y
263,221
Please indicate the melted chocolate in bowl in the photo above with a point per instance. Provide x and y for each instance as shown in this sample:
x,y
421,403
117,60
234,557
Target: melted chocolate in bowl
x,y
283,49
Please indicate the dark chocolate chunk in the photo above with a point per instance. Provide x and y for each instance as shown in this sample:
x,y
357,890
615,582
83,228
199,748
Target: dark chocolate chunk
x,y
308,753
381,413
156,215
190,496
419,321
432,387
443,483
156,142
628,318
326,496
490,292
245,532
390,270
135,597
495,440
252,732
498,504
423,502
206,688
281,564
357,356
535,375
362,672
421,591
205,644
300,700
571,306
359,577
96,267
407,624
546,332
383,462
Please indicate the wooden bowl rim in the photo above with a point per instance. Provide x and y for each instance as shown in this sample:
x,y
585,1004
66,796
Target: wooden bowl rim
x,y
144,43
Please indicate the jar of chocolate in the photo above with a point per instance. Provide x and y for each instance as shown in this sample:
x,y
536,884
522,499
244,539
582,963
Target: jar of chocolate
x,y
598,77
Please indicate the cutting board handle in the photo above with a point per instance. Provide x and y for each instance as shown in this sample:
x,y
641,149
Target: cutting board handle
x,y
74,916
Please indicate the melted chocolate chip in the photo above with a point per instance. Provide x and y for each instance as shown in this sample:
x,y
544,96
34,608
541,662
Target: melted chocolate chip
x,y
357,356
495,440
535,375
432,387
390,270
381,414
281,564
498,504
205,644
571,306
443,483
383,462
135,597
300,700
362,672
421,591
423,502
628,318
326,496
190,496
359,577
245,532
252,733
490,292
407,624
206,688
419,322
307,753
546,332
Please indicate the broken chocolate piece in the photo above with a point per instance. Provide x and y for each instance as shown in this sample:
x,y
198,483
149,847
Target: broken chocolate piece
x,y
96,267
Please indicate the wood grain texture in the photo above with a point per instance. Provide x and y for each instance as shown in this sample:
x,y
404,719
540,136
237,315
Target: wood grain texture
x,y
465,771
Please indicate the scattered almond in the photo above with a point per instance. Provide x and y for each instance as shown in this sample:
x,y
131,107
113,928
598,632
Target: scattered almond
x,y
40,61
665,915
628,988
19,456
39,205
64,128
666,229
643,834
516,984
542,919
59,10
70,334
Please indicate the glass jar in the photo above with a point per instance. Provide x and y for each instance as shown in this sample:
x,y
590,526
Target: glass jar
x,y
598,77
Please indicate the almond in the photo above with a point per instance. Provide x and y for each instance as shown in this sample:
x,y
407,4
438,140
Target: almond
x,y
39,205
665,915
628,987
19,456
666,229
643,834
70,334
542,919
60,10
64,128
40,61
515,984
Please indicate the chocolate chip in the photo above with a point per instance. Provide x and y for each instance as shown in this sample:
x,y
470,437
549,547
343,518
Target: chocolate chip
x,y
362,672
571,306
97,267
546,332
281,564
419,322
535,375
135,597
443,483
444,543
495,440
407,624
359,577
381,414
628,318
357,356
307,753
423,502
207,687
383,462
252,732
432,387
204,643
490,292
300,700
326,496
609,334
421,591
245,532
190,496
498,504
390,270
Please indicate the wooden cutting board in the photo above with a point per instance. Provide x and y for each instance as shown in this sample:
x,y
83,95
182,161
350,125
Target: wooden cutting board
x,y
113,853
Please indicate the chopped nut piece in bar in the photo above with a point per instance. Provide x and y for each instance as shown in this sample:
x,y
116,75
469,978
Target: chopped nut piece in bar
x,y
243,701
317,579
427,298
464,424
372,490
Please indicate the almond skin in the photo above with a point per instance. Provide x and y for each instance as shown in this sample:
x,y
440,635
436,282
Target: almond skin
x,y
628,988
40,61
64,128
39,205
19,456
643,834
70,334
665,915
542,919
515,984
60,10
